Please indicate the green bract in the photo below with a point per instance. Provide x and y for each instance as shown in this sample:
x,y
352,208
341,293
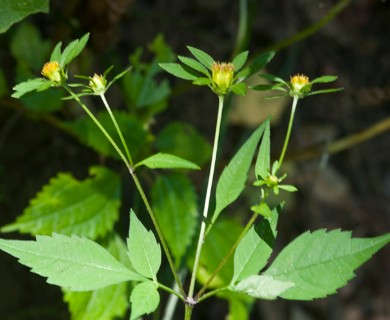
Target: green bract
x,y
221,78
55,71
299,85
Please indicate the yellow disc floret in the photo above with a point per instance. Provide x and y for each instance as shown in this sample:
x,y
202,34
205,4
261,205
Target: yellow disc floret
x,y
222,74
300,85
97,84
52,71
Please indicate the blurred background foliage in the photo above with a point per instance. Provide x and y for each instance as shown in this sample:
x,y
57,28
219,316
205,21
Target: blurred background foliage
x,y
338,155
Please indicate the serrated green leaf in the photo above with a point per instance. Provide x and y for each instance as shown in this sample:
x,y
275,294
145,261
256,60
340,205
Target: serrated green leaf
x,y
38,84
144,299
253,252
233,178
167,161
144,251
194,64
72,50
180,139
262,287
74,263
239,88
263,167
175,205
324,79
106,303
178,71
88,208
239,60
202,57
14,11
132,129
321,262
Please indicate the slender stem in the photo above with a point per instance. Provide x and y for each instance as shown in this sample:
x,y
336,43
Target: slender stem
x,y
138,185
102,96
173,298
187,312
212,293
91,115
207,198
170,290
226,257
286,140
243,27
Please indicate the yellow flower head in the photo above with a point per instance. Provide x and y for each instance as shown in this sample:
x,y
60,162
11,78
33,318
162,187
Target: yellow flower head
x,y
222,74
300,84
52,71
97,83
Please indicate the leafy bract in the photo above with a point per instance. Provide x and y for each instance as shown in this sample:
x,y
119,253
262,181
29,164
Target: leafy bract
x,y
255,248
105,303
38,84
144,299
132,129
75,263
233,178
262,287
167,161
240,60
319,263
72,50
14,11
203,57
87,208
175,205
263,167
256,65
144,251
178,71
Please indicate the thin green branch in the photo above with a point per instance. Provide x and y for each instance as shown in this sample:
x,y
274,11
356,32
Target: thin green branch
x,y
159,233
207,199
102,96
290,123
106,134
225,259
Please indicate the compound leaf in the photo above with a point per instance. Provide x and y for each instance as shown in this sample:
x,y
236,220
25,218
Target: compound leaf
x,y
144,251
262,287
106,303
87,208
14,11
319,263
75,263
144,299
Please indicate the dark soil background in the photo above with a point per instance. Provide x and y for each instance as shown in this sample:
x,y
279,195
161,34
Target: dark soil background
x,y
348,190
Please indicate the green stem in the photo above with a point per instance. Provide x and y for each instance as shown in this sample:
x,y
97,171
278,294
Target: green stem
x,y
226,257
207,199
159,233
286,140
102,96
243,27
91,115
138,185
187,312
212,293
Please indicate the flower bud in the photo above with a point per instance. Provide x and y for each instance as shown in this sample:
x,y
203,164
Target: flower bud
x,y
52,71
97,84
222,74
300,85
